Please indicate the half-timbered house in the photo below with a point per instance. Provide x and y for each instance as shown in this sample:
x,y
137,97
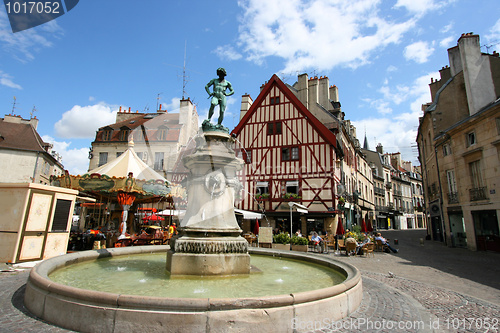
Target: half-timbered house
x,y
290,155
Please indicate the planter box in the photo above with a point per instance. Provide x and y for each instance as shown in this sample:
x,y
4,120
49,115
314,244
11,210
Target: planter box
x,y
282,247
302,248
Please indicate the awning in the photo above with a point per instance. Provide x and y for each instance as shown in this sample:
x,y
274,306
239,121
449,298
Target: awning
x,y
172,212
247,215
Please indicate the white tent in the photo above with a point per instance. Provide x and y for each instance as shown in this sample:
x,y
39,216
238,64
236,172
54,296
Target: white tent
x,y
126,163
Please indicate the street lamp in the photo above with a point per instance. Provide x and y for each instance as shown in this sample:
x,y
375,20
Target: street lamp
x,y
300,208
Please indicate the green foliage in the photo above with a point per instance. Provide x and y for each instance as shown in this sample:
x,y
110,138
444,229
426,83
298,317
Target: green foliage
x,y
356,229
262,196
291,196
281,238
296,240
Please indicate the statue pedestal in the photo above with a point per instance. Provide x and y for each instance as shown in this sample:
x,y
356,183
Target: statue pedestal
x,y
209,241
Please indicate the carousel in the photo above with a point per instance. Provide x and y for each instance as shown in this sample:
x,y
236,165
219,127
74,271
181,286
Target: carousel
x,y
125,181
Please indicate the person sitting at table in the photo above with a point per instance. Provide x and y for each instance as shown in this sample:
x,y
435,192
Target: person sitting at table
x,y
318,241
298,233
351,240
365,241
385,242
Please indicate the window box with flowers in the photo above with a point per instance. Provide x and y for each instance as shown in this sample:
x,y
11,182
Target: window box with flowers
x,y
291,196
262,196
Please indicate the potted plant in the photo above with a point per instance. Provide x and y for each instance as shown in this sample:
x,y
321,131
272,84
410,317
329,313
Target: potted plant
x,y
281,241
299,243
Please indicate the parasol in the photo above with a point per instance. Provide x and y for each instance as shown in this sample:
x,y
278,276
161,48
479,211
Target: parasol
x,y
369,226
340,228
256,227
363,226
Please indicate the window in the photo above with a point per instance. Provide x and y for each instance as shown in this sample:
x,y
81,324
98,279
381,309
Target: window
x,y
247,156
475,174
158,161
471,139
274,128
106,135
139,155
275,100
292,187
452,184
62,214
118,154
262,188
446,149
290,154
498,125
103,158
162,134
124,132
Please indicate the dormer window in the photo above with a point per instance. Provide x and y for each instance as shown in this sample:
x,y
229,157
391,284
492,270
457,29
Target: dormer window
x,y
124,133
162,134
106,135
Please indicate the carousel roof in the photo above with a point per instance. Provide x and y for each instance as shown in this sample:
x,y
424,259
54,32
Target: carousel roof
x,y
126,163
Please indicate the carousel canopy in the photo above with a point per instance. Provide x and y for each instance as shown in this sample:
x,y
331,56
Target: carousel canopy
x,y
125,174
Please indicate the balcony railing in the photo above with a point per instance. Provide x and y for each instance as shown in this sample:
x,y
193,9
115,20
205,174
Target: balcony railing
x,y
388,185
378,190
478,193
453,197
398,193
381,208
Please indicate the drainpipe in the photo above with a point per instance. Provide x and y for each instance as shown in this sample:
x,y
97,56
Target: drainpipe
x,y
440,195
36,165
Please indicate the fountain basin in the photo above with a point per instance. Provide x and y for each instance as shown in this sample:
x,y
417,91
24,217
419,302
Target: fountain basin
x,y
93,311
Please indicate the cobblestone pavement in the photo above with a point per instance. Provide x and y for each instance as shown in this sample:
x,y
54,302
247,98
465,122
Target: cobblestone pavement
x,y
390,304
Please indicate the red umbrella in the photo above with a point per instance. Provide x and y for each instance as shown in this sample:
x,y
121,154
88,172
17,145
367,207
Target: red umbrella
x,y
363,226
340,228
153,217
256,227
369,226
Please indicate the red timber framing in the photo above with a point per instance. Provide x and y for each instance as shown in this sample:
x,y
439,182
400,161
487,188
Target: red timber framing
x,y
286,146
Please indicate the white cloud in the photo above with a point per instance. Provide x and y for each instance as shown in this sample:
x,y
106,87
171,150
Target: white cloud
x,y
418,52
6,80
83,121
227,52
422,6
74,160
317,34
398,132
447,42
23,45
446,28
494,35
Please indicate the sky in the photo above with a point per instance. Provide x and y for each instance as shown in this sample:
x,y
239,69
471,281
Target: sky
x,y
73,73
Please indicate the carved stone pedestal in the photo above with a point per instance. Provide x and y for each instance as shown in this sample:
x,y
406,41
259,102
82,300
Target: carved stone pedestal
x,y
209,241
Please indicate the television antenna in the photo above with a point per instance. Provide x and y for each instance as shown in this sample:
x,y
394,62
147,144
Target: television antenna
x,y
33,112
14,106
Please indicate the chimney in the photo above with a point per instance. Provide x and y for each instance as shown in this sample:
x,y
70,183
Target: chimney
x,y
246,103
479,85
324,93
380,149
302,89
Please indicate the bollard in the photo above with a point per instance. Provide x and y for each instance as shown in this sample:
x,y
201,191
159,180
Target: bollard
x,y
396,242
422,241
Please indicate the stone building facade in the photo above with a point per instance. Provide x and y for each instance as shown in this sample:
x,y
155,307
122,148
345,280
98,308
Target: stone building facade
x,y
24,156
459,149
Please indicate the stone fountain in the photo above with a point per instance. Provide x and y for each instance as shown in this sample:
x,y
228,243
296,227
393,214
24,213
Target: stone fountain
x,y
209,244
209,240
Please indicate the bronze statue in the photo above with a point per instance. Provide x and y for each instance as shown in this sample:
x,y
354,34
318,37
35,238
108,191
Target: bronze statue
x,y
218,95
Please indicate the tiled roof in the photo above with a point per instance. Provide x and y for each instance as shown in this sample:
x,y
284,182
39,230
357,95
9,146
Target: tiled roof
x,y
144,123
20,136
